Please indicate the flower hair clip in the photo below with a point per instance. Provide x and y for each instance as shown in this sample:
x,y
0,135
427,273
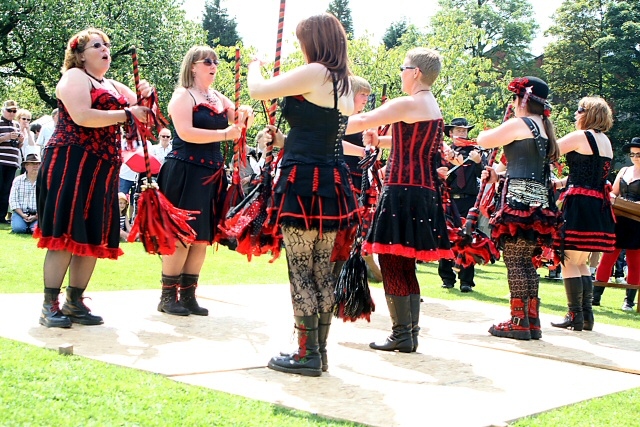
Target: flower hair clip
x,y
74,43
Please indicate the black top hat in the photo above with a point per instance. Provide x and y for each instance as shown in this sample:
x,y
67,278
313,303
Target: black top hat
x,y
635,142
32,158
458,122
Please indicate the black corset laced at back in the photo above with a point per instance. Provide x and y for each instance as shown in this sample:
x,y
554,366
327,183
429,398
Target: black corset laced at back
x,y
588,171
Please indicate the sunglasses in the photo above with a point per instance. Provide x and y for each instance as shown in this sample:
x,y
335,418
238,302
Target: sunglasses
x,y
24,118
632,155
98,45
407,67
165,136
11,111
208,62
581,110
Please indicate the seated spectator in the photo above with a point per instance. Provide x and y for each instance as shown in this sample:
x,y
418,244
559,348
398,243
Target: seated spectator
x,y
22,197
125,223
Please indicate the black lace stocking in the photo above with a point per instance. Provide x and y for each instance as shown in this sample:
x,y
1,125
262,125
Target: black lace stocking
x,y
310,276
521,273
399,275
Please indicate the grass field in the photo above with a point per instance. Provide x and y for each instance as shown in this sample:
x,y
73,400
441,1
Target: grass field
x,y
38,387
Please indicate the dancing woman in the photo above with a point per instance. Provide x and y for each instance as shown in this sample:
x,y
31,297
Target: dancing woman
x,y
77,187
589,157
526,215
313,198
409,222
202,118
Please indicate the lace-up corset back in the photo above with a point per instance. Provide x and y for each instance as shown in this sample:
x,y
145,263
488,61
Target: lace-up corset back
x,y
588,171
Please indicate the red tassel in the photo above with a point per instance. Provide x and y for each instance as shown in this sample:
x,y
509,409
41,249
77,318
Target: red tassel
x,y
160,225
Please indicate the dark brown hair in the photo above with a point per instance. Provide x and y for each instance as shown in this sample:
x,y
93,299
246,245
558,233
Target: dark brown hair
x,y
323,40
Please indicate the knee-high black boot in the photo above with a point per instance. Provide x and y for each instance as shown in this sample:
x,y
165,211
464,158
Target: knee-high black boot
x,y
169,299
76,310
597,294
587,298
324,323
306,361
51,316
188,285
400,338
574,318
414,300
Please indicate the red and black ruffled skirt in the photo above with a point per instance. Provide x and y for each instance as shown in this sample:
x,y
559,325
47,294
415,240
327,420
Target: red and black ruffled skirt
x,y
77,195
409,221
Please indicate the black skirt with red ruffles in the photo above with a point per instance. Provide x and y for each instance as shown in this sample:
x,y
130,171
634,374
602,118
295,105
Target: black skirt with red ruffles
x,y
518,220
77,193
409,222
589,224
315,197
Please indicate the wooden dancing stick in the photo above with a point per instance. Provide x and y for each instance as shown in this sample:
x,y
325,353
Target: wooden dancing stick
x,y
276,71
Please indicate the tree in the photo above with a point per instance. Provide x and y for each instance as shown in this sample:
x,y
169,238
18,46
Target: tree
x,y
508,30
340,9
596,52
393,33
34,34
221,30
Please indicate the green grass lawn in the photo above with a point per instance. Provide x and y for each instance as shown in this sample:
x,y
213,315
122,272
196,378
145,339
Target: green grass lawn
x,y
38,387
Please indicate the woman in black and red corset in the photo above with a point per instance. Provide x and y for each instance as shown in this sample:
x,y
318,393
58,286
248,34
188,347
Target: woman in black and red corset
x,y
526,216
589,156
313,199
409,222
77,187
193,176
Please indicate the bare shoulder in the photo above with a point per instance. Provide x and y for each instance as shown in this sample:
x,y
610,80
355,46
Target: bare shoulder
x,y
418,109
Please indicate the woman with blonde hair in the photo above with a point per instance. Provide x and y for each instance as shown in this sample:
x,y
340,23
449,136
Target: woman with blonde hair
x,y
193,175
589,157
77,187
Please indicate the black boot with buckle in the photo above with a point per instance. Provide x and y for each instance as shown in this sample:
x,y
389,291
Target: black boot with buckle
x,y
188,285
306,361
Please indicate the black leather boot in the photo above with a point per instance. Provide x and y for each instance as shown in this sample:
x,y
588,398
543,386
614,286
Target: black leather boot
x,y
324,324
400,338
169,299
574,318
534,318
414,301
51,316
306,361
597,294
587,298
76,310
188,285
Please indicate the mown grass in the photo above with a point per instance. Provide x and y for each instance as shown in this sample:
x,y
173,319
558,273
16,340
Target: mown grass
x,y
39,387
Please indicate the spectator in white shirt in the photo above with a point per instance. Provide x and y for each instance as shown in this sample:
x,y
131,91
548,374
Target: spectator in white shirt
x,y
161,150
22,197
47,130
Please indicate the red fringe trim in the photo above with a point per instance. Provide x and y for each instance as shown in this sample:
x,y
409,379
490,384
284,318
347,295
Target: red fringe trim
x,y
399,250
65,243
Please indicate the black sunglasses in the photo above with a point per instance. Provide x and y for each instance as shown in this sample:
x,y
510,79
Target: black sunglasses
x,y
632,155
24,118
98,45
165,136
407,67
208,62
581,110
11,111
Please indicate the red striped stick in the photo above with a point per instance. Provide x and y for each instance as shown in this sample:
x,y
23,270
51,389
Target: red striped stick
x,y
136,80
382,130
236,149
276,71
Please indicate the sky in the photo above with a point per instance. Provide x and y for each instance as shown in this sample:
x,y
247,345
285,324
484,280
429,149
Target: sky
x,y
257,20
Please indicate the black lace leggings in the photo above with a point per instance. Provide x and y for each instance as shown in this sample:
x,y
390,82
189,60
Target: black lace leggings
x,y
399,275
521,273
310,276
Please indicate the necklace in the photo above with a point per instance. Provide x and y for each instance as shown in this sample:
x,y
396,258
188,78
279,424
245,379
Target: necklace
x,y
98,80
422,90
212,99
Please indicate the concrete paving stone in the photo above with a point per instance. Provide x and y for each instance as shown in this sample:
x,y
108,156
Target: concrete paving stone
x,y
460,376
